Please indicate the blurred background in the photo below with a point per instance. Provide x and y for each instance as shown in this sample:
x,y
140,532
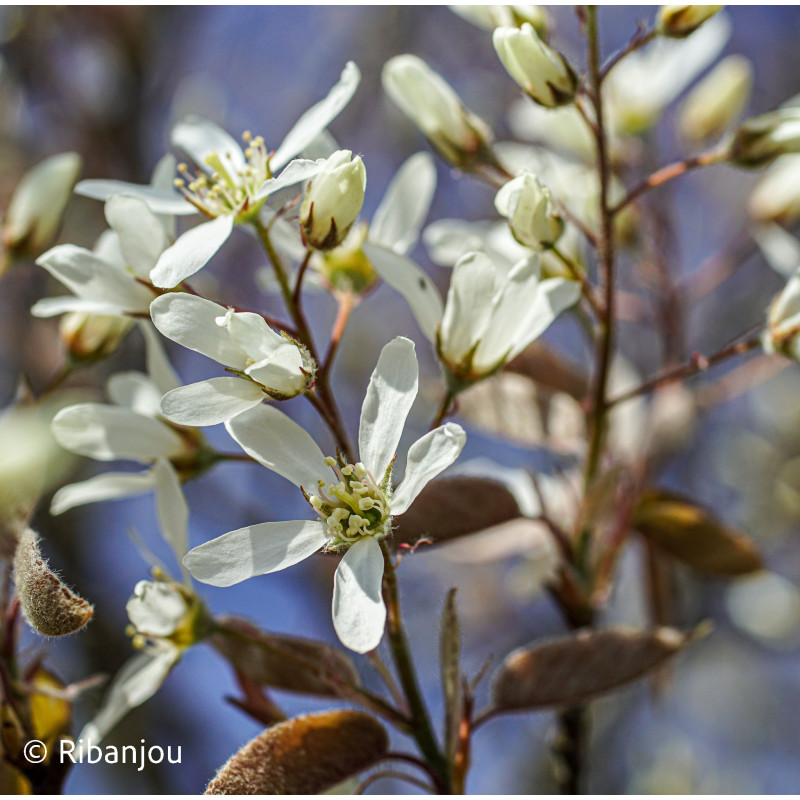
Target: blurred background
x,y
109,83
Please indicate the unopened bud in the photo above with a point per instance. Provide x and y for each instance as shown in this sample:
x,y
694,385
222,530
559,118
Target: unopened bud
x,y
305,755
715,103
88,337
460,138
542,73
760,140
678,22
530,211
49,605
782,334
34,215
776,197
491,17
333,200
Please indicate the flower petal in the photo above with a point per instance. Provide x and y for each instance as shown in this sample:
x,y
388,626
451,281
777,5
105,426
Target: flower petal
x,y
108,432
390,395
318,117
53,306
210,402
138,680
191,252
427,457
159,369
159,200
413,283
88,277
173,511
142,237
107,486
254,550
399,217
199,138
359,614
192,322
134,390
280,444
296,171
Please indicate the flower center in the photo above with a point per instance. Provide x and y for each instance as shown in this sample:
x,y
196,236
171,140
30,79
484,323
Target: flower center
x,y
217,190
354,507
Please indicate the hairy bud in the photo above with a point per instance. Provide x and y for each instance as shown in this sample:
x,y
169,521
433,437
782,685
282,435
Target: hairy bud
x,y
677,22
541,72
305,755
49,605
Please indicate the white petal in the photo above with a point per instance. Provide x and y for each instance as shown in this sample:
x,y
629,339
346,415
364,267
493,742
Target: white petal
x,y
162,178
109,432
53,306
413,283
296,171
318,117
159,369
254,550
251,332
192,322
108,486
468,307
134,390
781,250
427,457
359,615
156,608
280,444
88,277
137,681
199,138
400,215
142,237
210,402
390,395
173,511
158,200
281,370
191,252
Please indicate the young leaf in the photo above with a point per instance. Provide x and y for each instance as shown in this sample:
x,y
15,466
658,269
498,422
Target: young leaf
x,y
454,507
691,535
283,662
450,663
570,670
305,755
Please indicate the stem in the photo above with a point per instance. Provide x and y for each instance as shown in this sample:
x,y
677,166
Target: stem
x,y
298,284
444,408
666,174
346,305
697,363
605,252
638,40
570,747
423,730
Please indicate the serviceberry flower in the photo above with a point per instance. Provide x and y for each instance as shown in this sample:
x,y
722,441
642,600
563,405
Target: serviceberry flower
x,y
531,213
265,363
354,502
231,184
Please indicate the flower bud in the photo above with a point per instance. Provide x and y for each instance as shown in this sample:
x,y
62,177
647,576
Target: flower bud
x,y
92,336
333,200
776,197
542,73
782,334
50,606
717,100
460,138
760,140
491,17
530,211
38,204
678,22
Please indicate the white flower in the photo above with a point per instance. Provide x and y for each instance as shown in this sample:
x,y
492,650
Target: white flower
x,y
267,363
109,279
37,206
132,429
490,316
395,225
232,184
491,17
680,21
530,211
456,133
355,502
776,197
333,200
541,72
